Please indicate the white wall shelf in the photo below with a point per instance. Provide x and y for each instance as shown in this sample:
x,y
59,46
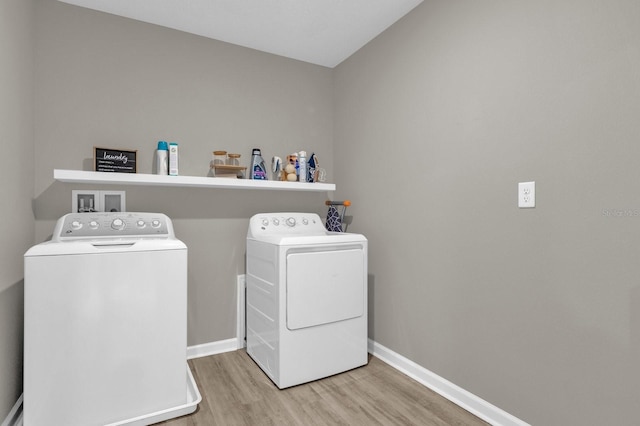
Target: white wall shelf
x,y
107,178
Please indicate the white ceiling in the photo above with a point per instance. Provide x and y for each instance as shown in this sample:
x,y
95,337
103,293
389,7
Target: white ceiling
x,y
322,32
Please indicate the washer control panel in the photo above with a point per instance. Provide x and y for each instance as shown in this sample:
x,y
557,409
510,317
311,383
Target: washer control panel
x,y
286,224
113,225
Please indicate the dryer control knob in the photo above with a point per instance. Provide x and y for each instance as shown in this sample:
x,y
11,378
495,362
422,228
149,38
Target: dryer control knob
x,y
305,221
76,224
291,221
265,222
117,224
156,223
140,223
94,224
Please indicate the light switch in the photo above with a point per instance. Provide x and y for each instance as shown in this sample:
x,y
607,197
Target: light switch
x,y
526,195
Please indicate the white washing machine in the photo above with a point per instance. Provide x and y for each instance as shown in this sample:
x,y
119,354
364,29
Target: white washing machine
x,y
105,333
306,298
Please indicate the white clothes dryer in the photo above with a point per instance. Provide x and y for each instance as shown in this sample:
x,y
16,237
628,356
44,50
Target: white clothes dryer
x,y
105,323
306,301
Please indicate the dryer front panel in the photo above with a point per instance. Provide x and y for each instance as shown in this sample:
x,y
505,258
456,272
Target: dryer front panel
x,y
325,286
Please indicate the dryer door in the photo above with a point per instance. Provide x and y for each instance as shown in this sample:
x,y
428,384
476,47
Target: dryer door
x,y
325,286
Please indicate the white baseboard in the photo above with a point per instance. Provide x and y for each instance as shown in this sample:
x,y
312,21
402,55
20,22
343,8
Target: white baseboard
x,y
470,402
14,418
212,348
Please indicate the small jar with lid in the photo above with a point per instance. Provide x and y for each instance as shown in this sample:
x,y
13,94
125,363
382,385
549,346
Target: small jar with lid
x,y
233,159
219,158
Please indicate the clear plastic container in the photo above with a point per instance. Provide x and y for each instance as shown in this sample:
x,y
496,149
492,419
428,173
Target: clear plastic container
x,y
233,159
219,158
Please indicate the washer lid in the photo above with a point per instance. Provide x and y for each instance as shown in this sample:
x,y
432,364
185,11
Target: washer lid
x,y
103,246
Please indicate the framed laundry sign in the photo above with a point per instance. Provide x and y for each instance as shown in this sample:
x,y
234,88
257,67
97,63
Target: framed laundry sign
x,y
114,160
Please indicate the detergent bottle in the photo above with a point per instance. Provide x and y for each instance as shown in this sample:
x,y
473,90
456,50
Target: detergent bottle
x,y
258,170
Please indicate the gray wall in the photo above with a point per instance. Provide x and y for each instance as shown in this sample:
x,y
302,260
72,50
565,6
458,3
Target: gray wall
x,y
436,121
16,192
107,81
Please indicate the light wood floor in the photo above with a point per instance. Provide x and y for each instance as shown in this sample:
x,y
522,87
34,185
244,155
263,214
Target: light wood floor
x,y
236,392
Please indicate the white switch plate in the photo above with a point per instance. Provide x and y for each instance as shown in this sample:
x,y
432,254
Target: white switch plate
x,y
526,195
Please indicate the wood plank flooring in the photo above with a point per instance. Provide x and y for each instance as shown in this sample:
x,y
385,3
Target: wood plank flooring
x,y
236,392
